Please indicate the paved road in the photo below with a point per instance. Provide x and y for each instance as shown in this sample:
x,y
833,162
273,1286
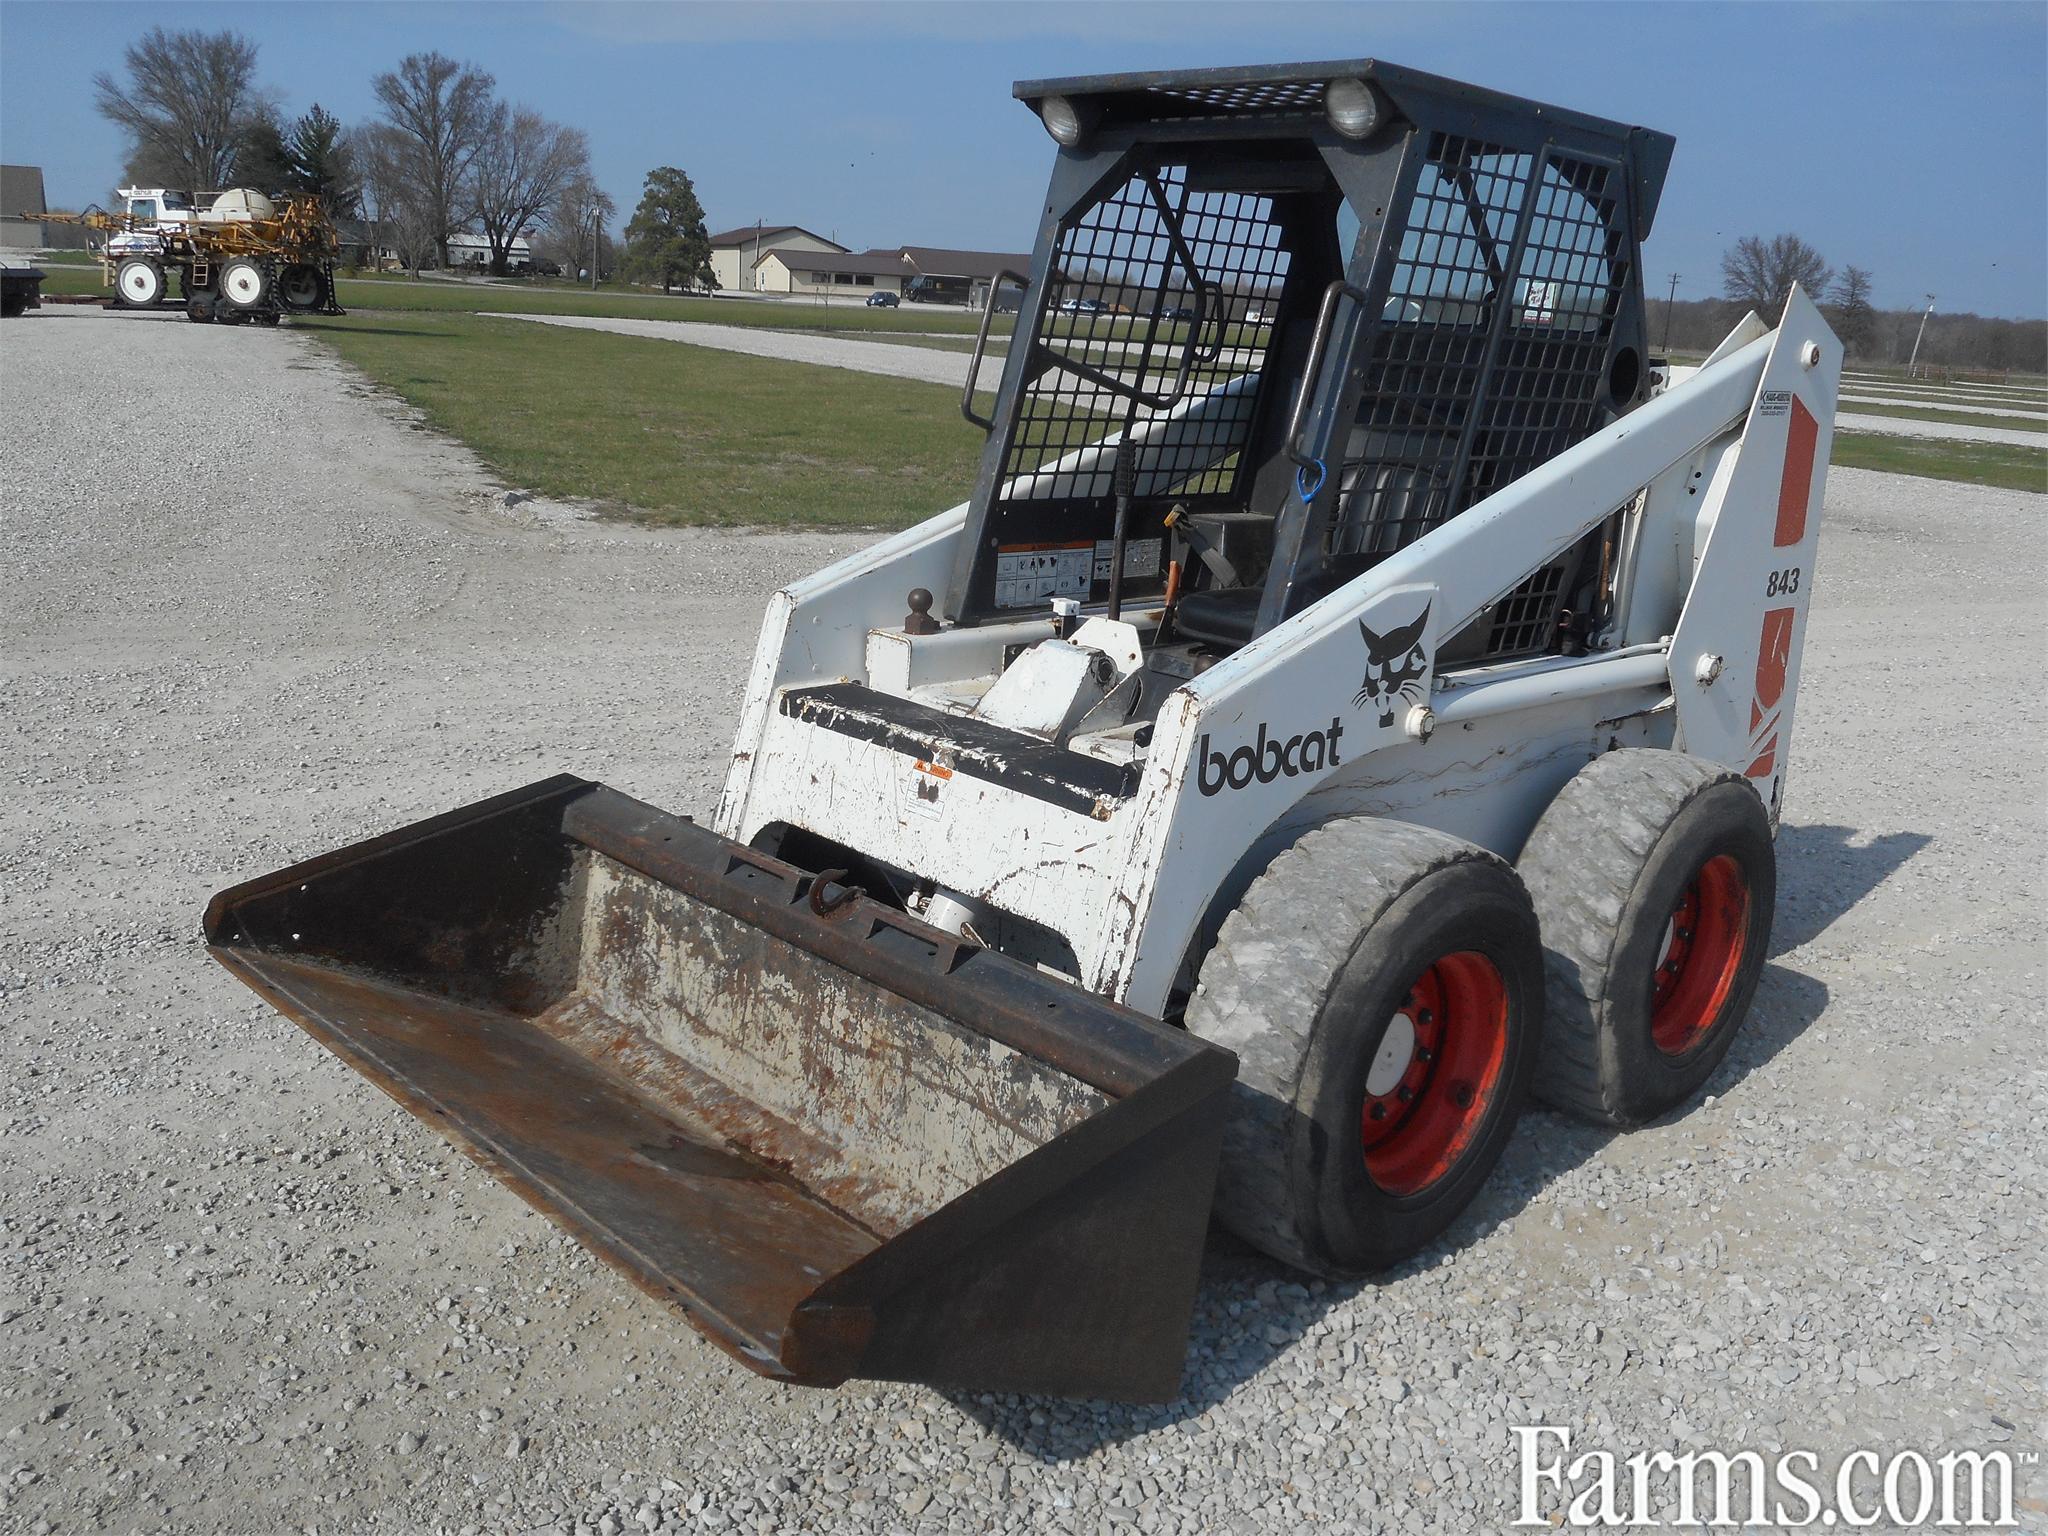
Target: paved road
x,y
932,365
1964,407
1906,426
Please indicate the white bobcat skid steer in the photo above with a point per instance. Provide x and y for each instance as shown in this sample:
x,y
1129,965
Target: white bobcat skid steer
x,y
1345,663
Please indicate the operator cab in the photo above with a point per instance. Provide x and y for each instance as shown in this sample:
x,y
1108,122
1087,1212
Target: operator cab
x,y
1313,312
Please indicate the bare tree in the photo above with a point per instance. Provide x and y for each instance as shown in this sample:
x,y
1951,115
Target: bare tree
x,y
579,226
443,113
397,212
1855,318
520,173
1760,273
187,106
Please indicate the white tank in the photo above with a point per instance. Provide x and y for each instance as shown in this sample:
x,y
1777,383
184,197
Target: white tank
x,y
239,205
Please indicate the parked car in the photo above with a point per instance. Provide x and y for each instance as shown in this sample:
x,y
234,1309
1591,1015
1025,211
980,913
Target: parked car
x,y
1081,307
548,268
1177,312
883,301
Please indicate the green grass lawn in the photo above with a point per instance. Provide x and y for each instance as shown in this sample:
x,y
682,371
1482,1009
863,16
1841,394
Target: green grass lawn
x,y
667,433
66,278
1999,464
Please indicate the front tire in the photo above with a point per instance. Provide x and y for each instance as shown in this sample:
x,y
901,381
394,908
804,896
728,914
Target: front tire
x,y
1382,987
139,282
1656,882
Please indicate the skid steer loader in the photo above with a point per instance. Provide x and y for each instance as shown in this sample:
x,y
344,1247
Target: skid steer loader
x,y
1356,693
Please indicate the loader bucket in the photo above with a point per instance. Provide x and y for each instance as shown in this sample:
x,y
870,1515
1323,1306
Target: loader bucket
x,y
844,1143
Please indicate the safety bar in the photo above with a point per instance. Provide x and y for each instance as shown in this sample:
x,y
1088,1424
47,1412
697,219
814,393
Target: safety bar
x,y
1326,316
986,423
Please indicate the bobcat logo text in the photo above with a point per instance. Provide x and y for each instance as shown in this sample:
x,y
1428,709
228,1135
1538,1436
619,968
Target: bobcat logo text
x,y
1266,759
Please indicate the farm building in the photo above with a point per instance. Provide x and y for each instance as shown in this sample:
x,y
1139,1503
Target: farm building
x,y
736,253
826,273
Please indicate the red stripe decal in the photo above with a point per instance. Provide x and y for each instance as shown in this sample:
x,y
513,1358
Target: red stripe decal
x,y
1773,656
1796,489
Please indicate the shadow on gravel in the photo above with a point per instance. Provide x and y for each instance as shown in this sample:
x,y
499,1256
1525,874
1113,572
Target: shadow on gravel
x,y
1253,1310
1821,876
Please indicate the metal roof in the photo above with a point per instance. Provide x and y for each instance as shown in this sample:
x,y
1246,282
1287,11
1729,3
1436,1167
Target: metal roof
x,y
872,263
746,235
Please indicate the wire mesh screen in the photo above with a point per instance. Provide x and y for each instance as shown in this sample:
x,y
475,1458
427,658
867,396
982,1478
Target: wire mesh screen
x,y
1120,346
1549,379
1490,353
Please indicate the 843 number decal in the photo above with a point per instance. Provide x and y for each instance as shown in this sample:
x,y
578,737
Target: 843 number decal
x,y
1782,582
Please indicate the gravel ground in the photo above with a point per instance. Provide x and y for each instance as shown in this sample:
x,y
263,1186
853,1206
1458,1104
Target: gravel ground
x,y
250,612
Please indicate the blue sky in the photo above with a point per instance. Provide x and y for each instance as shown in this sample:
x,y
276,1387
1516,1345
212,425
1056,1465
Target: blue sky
x,y
1909,139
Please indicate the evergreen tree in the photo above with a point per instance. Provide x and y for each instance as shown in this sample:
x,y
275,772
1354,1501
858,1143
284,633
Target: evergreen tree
x,y
322,162
666,241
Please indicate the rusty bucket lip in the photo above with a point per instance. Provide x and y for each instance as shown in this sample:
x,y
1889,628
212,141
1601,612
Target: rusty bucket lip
x,y
981,988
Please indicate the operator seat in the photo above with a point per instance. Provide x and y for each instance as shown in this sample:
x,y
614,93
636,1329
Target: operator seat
x,y
1382,507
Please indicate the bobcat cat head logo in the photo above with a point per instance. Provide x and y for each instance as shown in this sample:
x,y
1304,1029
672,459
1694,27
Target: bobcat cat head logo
x,y
1394,666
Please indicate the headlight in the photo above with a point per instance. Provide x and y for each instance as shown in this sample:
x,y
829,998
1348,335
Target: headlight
x,y
1354,108
1066,121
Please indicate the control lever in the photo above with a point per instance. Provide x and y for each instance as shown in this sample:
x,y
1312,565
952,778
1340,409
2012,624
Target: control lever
x,y
1218,563
1125,484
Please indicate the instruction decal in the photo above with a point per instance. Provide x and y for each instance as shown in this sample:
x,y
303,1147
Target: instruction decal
x,y
1030,574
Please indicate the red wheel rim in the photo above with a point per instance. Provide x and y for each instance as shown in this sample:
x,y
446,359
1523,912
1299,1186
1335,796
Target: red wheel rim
x,y
1430,1082
1704,941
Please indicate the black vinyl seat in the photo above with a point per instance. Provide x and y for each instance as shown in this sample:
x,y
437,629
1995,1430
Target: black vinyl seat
x,y
1226,616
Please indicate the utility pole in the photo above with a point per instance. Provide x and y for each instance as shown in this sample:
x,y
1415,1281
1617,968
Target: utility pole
x,y
596,235
1668,302
753,274
1915,358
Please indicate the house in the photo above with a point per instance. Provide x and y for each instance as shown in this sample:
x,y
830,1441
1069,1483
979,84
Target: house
x,y
941,276
815,274
470,251
736,253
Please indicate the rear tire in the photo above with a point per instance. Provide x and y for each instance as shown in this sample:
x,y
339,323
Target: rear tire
x,y
1655,881
1382,987
301,287
139,283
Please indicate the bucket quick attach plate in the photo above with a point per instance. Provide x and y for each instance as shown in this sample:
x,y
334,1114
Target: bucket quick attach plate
x,y
843,1142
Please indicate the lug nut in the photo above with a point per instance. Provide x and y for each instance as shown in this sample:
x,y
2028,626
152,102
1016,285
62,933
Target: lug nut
x,y
1379,1111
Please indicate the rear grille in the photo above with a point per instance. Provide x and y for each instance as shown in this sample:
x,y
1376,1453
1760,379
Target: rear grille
x,y
1526,618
